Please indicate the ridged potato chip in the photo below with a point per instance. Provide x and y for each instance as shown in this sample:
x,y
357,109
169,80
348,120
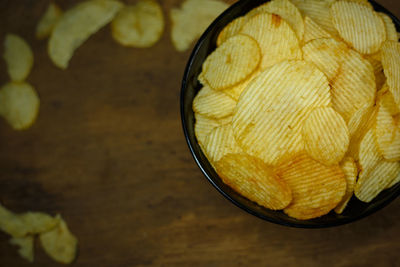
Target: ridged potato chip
x,y
250,177
192,19
277,41
350,171
316,188
48,21
237,90
20,105
359,25
325,136
213,104
268,118
391,32
140,25
313,31
18,57
232,62
231,29
376,64
369,155
77,25
394,181
391,67
385,98
204,125
59,243
25,246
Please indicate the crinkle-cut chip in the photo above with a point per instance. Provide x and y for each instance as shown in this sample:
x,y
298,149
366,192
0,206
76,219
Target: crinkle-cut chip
x,y
376,64
231,29
140,25
59,243
359,25
386,99
362,2
255,180
77,25
369,155
237,90
370,184
18,57
48,21
361,122
391,32
313,31
213,104
391,66
394,181
325,136
319,11
316,188
268,118
192,19
278,42
25,246
351,76
387,133
19,104
220,142
232,62
350,171
204,125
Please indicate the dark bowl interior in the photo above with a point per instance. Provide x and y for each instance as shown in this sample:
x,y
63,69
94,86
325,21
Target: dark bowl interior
x,y
190,86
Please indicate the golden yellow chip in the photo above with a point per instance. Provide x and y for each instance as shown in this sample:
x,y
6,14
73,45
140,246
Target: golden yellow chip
x,y
250,177
359,25
140,25
325,135
235,91
376,64
213,104
48,21
391,66
316,188
313,31
269,115
59,243
386,99
18,57
231,29
204,125
19,105
77,25
391,32
192,19
232,62
350,171
394,181
25,245
277,41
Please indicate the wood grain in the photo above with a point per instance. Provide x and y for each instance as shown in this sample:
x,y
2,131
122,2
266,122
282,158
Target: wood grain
x,y
108,153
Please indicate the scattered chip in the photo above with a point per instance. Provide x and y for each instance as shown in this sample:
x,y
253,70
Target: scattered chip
x,y
60,244
231,29
25,245
20,104
359,25
325,135
391,32
213,104
391,67
18,56
48,21
350,171
192,19
313,31
140,25
253,179
316,188
77,25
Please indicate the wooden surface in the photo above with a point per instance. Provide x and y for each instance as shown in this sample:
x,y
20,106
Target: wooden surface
x,y
108,153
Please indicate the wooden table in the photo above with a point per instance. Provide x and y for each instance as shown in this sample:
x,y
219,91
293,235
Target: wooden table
x,y
108,153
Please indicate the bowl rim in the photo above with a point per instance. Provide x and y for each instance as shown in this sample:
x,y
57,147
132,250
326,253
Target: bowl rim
x,y
377,7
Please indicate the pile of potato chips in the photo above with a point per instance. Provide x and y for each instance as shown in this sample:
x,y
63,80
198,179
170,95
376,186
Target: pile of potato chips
x,y
300,105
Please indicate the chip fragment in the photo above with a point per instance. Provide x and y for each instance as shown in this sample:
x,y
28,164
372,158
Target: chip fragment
x,y
350,171
252,178
25,246
213,104
48,21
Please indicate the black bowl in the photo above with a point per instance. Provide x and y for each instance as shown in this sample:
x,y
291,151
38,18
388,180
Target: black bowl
x,y
190,86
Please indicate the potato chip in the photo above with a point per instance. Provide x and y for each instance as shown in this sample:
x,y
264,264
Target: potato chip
x,y
213,104
269,115
18,56
391,32
59,243
376,64
250,177
394,181
232,62
235,91
25,245
140,25
231,29
313,31
278,42
325,135
77,25
359,25
350,171
19,104
316,188
204,125
192,19
391,67
386,99
369,155
48,21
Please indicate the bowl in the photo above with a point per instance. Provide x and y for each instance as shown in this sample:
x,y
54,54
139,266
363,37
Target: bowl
x,y
190,86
